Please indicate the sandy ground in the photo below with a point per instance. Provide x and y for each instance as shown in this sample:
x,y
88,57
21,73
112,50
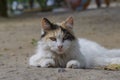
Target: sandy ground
x,y
18,34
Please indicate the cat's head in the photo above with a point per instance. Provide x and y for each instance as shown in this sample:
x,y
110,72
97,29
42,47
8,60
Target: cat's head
x,y
58,36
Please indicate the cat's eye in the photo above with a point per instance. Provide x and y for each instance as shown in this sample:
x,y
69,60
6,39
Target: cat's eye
x,y
64,38
53,38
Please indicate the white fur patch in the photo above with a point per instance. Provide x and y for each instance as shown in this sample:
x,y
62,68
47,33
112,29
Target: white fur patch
x,y
89,54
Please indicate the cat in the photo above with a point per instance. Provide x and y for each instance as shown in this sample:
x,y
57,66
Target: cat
x,y
58,47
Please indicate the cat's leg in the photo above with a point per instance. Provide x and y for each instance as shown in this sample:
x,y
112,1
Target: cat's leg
x,y
73,64
46,63
38,61
33,61
104,61
115,60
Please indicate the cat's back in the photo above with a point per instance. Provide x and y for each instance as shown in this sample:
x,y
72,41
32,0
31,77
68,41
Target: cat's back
x,y
85,42
89,47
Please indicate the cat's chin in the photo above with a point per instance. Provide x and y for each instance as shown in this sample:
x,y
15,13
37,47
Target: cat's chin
x,y
60,52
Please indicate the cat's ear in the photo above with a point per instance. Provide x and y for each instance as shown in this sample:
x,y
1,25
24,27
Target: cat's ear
x,y
69,23
45,24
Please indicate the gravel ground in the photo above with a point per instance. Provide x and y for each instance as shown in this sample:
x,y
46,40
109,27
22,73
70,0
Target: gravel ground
x,y
18,37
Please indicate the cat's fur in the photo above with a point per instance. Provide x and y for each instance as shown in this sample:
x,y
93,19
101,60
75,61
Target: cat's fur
x,y
58,47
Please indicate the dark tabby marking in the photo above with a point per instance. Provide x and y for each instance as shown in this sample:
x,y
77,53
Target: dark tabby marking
x,y
52,26
68,35
43,35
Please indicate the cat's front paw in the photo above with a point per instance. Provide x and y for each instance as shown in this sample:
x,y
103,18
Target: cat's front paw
x,y
46,63
73,64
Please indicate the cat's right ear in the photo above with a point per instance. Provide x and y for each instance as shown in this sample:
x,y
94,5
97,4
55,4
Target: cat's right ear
x,y
45,24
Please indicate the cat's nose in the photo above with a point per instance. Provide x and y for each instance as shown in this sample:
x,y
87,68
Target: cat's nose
x,y
60,46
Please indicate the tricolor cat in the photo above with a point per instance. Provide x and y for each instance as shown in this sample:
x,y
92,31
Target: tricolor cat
x,y
59,47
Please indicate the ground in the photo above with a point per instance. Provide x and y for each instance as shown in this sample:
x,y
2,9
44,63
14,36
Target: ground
x,y
18,38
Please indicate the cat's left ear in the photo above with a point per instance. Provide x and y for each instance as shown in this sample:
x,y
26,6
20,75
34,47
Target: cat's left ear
x,y
69,23
46,24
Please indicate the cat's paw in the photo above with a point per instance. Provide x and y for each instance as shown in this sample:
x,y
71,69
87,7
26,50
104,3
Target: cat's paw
x,y
46,63
73,64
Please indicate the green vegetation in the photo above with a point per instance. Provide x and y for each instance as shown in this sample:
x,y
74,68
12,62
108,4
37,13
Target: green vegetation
x,y
3,8
6,6
112,67
34,42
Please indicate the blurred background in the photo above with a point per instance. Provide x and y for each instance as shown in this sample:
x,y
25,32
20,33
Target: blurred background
x,y
10,8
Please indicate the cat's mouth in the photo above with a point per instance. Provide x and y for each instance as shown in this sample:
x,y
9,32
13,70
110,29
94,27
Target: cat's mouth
x,y
60,50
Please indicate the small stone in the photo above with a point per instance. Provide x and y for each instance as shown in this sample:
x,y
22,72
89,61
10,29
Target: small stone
x,y
61,70
6,49
39,66
20,47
